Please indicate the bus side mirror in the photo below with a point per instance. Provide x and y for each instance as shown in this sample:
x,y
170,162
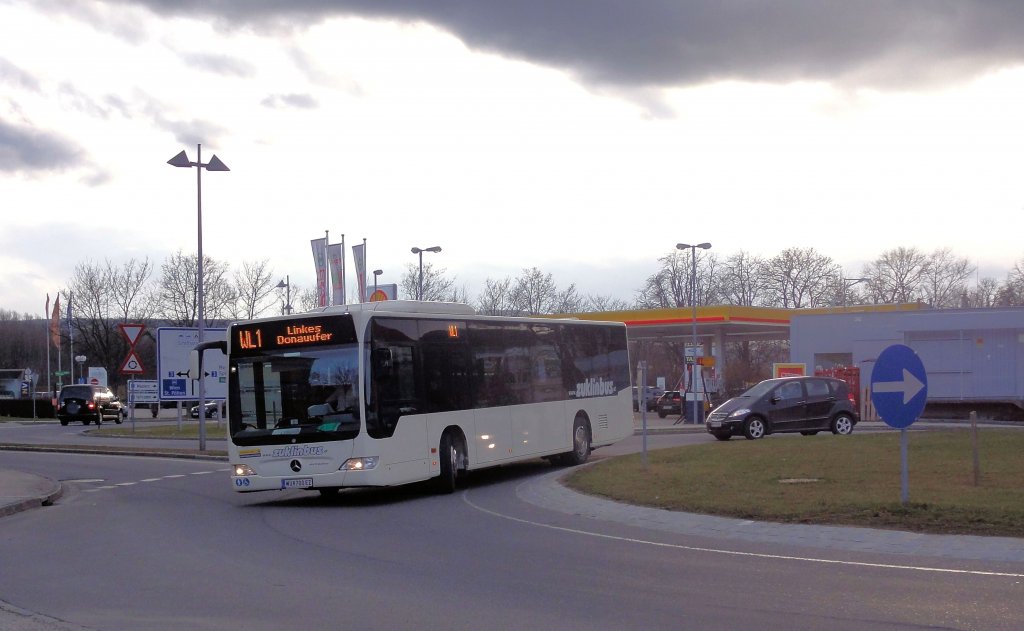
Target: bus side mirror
x,y
381,362
195,357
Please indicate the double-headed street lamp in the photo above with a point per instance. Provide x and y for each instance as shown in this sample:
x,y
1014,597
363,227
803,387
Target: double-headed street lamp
x,y
420,251
693,302
181,160
286,285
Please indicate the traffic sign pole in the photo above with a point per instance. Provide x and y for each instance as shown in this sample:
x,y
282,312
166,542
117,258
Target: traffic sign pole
x,y
904,474
899,391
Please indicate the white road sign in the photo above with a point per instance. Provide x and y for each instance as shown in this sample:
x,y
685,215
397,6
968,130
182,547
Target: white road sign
x,y
143,391
173,345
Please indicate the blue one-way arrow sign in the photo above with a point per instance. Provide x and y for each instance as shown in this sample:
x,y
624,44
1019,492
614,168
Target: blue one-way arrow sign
x,y
899,386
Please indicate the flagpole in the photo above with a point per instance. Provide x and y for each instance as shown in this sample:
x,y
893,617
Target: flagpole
x,y
343,268
362,293
46,327
71,341
327,279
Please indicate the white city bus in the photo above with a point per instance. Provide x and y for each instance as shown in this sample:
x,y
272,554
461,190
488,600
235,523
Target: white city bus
x,y
387,393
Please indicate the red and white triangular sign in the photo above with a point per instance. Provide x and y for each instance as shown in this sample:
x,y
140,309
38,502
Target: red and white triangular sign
x,y
132,365
132,332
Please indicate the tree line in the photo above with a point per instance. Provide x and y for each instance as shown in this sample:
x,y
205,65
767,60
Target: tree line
x,y
105,294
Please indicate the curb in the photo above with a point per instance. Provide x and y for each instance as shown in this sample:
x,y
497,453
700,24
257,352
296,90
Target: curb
x,y
47,499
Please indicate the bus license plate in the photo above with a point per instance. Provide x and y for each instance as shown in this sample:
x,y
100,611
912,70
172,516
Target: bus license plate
x,y
297,483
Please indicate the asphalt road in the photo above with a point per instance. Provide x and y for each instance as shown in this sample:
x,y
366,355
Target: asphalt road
x,y
155,543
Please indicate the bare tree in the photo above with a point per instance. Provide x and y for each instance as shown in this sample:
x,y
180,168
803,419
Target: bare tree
x,y
569,301
606,303
101,296
741,281
944,278
670,285
436,285
305,299
799,277
497,298
896,275
1012,293
254,286
535,292
985,294
177,289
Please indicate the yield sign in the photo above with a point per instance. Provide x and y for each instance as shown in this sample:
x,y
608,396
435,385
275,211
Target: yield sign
x,y
132,365
131,332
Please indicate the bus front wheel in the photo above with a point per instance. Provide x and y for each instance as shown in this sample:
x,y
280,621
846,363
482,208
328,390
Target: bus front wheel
x,y
580,443
449,454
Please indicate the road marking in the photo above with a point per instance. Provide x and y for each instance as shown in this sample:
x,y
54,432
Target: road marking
x,y
166,477
757,555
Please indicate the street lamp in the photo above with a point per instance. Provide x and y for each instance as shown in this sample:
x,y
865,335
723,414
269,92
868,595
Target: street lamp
x,y
852,282
287,287
420,251
181,160
693,302
81,368
376,273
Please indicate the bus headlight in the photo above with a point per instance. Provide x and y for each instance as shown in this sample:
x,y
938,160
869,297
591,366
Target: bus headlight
x,y
243,469
360,464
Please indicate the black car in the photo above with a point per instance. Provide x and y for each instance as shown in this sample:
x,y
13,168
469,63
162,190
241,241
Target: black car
x,y
88,403
213,410
670,403
790,404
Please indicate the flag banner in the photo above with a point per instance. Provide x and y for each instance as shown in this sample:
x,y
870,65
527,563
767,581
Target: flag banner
x,y
320,259
55,323
69,312
336,258
359,257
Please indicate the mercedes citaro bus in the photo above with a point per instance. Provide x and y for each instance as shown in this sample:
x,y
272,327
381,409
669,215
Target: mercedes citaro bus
x,y
393,392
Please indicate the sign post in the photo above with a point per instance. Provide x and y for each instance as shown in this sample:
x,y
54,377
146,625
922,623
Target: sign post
x,y
899,390
641,398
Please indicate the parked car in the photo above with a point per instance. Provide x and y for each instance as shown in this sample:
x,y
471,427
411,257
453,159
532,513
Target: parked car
x,y
670,403
789,404
88,403
214,409
652,398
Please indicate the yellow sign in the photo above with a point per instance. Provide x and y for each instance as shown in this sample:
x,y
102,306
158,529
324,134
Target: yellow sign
x,y
378,296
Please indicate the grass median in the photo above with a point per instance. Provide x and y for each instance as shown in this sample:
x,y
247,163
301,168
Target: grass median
x,y
188,429
826,479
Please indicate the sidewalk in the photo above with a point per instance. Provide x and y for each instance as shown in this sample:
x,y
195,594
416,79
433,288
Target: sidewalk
x,y
22,491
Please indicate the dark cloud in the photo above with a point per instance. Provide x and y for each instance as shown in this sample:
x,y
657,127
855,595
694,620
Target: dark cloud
x,y
28,150
296,101
13,76
663,43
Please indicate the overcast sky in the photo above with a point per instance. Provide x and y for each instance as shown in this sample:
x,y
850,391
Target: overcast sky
x,y
585,138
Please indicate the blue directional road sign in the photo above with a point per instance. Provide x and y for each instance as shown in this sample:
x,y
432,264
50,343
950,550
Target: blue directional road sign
x,y
899,386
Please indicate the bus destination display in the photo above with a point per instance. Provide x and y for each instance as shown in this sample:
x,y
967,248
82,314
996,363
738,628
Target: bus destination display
x,y
261,337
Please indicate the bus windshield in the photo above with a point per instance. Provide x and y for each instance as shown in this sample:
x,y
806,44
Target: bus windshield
x,y
298,396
